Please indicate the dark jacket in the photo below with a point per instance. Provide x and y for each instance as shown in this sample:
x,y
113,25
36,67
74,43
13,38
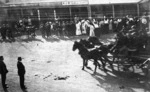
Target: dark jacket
x,y
21,68
3,69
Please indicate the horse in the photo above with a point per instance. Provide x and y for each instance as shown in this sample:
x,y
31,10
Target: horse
x,y
103,49
86,55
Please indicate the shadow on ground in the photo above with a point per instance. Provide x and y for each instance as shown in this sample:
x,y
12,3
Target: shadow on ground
x,y
118,81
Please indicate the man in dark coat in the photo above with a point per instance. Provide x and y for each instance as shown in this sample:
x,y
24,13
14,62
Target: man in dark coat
x,y
3,31
9,32
3,72
47,29
21,72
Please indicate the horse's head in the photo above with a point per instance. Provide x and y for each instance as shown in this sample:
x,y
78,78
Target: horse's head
x,y
75,45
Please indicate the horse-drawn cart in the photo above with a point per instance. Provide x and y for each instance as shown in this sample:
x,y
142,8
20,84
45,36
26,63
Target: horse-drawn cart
x,y
132,52
25,30
31,31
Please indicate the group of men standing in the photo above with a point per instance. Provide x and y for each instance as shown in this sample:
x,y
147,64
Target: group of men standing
x,y
58,28
6,31
4,71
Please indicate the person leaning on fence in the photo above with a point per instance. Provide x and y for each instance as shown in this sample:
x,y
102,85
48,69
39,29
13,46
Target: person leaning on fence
x,y
21,72
3,72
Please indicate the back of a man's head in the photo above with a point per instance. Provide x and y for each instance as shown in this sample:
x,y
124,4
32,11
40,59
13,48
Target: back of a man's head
x,y
19,58
1,58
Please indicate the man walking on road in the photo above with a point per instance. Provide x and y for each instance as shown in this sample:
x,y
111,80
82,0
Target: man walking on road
x,y
21,72
3,72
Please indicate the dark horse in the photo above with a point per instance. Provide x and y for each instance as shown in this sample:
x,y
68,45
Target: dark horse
x,y
86,55
102,49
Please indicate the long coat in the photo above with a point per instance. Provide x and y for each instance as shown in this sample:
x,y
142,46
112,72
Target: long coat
x,y
3,69
78,30
21,68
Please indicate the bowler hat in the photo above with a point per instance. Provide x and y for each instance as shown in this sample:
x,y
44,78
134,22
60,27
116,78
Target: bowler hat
x,y
19,58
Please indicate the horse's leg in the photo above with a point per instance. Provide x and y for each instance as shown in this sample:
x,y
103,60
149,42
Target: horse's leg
x,y
104,65
98,64
34,33
86,63
110,63
118,63
95,62
132,65
28,33
114,58
83,64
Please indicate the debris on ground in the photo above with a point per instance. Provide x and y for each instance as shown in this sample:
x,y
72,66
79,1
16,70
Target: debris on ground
x,y
36,75
49,61
47,76
32,60
62,78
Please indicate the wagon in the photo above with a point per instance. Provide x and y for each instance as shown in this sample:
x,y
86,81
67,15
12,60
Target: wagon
x,y
26,30
31,31
132,58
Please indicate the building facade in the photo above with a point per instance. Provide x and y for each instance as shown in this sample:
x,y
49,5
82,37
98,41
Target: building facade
x,y
43,10
3,11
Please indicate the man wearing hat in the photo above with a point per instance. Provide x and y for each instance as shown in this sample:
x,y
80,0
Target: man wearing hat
x,y
3,72
21,72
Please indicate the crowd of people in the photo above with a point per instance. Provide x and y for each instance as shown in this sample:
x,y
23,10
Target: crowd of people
x,y
6,32
92,27
76,27
9,30
59,28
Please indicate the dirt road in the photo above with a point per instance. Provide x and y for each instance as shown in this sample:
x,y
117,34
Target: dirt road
x,y
52,66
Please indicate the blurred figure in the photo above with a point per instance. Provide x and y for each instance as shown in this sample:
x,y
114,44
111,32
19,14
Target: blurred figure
x,y
42,30
47,29
111,25
3,31
76,18
50,30
144,22
63,28
3,72
92,28
106,25
21,72
9,32
29,21
78,28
